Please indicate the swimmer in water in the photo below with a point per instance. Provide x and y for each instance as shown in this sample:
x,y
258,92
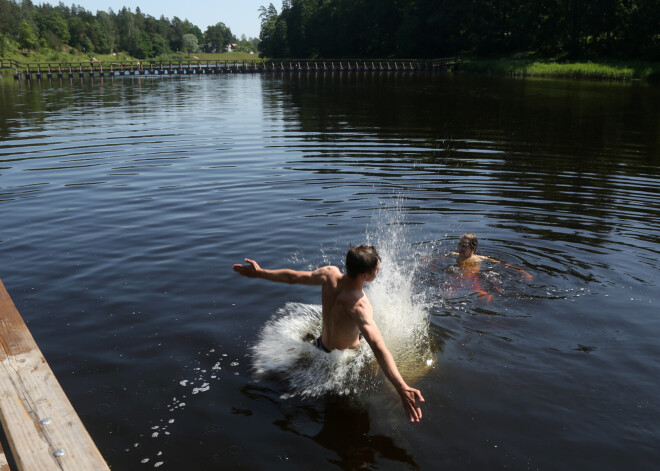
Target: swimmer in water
x,y
346,311
469,264
468,260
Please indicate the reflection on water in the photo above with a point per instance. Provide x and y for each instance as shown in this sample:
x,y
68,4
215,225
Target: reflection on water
x,y
125,201
346,430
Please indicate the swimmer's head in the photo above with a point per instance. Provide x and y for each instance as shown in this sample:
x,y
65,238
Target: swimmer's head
x,y
362,259
467,244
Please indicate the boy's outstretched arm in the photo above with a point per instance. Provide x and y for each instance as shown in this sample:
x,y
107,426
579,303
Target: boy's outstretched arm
x,y
410,397
523,274
284,275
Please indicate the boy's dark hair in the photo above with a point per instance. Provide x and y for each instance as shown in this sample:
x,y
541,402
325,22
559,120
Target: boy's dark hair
x,y
471,239
361,259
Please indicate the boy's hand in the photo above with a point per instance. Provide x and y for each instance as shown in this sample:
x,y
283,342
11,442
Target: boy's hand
x,y
250,270
411,398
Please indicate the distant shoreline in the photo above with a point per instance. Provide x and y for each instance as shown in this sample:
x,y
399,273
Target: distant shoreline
x,y
579,70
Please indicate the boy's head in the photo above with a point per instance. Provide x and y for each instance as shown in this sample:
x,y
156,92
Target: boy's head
x,y
361,259
467,243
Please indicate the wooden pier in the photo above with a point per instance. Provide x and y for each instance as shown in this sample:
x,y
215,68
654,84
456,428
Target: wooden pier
x,y
51,70
42,428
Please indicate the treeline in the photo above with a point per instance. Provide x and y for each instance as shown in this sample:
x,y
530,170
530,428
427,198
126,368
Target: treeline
x,y
34,27
436,28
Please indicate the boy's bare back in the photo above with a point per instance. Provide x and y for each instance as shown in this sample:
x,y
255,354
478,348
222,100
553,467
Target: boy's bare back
x,y
341,300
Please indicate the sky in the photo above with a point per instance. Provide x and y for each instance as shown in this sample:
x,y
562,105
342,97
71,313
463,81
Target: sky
x,y
241,16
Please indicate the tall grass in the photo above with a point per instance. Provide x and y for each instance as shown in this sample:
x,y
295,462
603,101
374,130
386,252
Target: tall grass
x,y
576,70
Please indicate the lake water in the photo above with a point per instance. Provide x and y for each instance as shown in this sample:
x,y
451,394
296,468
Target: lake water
x,y
125,201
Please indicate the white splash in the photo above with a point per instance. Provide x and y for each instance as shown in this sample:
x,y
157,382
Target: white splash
x,y
401,309
284,347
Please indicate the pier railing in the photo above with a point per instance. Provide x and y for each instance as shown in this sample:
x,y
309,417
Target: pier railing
x,y
41,70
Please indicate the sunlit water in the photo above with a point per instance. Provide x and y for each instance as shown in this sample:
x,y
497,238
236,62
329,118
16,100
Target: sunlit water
x,y
124,203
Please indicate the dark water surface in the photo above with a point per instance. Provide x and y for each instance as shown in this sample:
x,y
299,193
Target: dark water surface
x,y
124,203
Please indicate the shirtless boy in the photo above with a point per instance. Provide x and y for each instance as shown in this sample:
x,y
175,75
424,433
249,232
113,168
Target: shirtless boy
x,y
467,246
347,312
469,264
469,260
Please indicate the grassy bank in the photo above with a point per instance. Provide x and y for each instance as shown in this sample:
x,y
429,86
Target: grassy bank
x,y
605,70
55,57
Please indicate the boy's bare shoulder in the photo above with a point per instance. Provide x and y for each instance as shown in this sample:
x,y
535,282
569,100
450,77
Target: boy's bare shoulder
x,y
475,259
328,270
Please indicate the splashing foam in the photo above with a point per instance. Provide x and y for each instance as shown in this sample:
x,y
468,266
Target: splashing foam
x,y
400,305
284,347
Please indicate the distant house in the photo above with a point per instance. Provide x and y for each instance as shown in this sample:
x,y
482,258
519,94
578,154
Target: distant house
x,y
231,47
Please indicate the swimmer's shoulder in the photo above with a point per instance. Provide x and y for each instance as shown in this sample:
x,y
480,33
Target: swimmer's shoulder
x,y
329,270
328,274
472,261
488,259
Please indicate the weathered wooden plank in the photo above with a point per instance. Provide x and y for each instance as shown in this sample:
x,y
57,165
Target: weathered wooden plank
x,y
36,415
15,338
4,466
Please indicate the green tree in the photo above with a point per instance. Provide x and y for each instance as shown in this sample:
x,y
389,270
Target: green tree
x,y
79,38
217,37
175,35
190,43
9,18
126,31
106,23
144,47
273,36
57,25
26,37
190,28
160,44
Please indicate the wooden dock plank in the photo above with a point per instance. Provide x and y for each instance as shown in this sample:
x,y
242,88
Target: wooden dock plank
x,y
4,465
36,415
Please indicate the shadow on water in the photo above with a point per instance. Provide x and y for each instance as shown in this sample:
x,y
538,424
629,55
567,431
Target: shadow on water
x,y
345,430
